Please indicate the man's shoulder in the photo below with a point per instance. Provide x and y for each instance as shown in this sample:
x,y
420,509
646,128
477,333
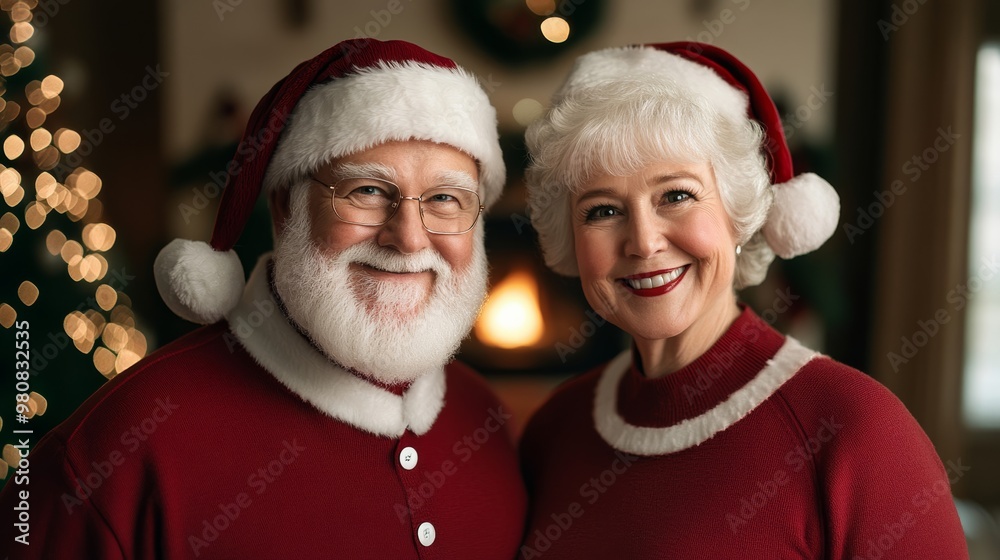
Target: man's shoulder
x,y
175,363
185,369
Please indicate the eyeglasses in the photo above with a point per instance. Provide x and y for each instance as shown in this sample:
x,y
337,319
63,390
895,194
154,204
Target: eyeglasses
x,y
367,201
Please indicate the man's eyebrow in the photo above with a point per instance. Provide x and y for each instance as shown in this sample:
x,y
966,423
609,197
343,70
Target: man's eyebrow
x,y
456,178
369,169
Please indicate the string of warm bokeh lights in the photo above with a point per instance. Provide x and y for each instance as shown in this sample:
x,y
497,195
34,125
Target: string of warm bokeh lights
x,y
31,176
554,28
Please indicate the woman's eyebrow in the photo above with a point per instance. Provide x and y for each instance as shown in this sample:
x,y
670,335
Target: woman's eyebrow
x,y
595,193
660,179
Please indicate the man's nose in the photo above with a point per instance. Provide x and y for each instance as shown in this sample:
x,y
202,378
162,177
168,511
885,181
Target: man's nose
x,y
405,231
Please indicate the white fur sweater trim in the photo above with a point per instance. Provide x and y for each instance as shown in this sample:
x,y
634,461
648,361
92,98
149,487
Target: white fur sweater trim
x,y
259,325
641,440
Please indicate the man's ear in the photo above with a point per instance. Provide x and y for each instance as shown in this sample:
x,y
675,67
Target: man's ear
x,y
279,201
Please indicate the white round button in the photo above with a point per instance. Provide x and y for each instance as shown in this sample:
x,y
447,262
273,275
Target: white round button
x,y
426,533
408,460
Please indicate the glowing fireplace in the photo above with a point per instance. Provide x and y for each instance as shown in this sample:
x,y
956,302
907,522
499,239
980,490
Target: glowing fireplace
x,y
512,316
535,322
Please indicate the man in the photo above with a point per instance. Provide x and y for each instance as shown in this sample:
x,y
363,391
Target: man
x,y
315,416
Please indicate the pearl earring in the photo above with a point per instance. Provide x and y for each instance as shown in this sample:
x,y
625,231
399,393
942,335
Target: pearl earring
x,y
739,249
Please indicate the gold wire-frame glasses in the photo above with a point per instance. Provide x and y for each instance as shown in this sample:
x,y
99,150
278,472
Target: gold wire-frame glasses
x,y
369,201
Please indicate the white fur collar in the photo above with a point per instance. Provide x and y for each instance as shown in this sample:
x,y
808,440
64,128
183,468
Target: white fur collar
x,y
641,440
275,344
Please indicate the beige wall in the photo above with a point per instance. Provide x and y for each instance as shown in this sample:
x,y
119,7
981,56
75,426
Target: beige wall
x,y
248,48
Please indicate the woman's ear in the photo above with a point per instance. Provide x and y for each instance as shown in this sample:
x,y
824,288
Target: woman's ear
x,y
279,201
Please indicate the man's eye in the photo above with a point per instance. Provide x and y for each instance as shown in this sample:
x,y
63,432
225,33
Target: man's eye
x,y
441,197
369,190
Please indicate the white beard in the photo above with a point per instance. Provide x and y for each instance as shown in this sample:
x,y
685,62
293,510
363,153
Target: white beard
x,y
392,333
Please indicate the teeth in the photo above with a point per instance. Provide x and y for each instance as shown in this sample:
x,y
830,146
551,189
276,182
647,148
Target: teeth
x,y
655,281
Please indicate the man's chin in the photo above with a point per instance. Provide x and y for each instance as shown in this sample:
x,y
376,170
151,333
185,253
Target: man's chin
x,y
389,297
394,314
393,306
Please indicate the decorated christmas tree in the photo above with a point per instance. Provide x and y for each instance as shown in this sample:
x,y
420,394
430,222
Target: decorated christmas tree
x,y
67,323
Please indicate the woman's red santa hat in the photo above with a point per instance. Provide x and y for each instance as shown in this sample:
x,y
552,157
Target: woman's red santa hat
x,y
806,209
355,95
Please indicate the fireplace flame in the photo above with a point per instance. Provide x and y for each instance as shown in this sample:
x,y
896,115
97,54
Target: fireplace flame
x,y
512,317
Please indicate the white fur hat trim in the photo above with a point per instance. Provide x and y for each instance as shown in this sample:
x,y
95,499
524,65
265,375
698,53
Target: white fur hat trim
x,y
385,103
197,282
645,63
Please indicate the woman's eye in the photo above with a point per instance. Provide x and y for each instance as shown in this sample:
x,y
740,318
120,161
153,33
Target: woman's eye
x,y
602,212
674,197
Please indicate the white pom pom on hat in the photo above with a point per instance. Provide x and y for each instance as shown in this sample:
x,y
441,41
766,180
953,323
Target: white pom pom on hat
x,y
197,282
803,216
355,95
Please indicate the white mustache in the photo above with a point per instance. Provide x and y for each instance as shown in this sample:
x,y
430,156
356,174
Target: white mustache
x,y
371,254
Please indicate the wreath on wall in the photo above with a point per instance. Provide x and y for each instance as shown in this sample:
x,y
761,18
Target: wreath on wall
x,y
518,32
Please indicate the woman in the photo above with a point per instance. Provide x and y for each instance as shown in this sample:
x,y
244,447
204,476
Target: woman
x,y
661,178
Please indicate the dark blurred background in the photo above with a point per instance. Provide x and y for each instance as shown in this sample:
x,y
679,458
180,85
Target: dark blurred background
x,y
119,117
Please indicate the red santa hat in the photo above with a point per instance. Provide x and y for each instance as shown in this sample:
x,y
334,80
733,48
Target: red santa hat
x,y
355,95
806,208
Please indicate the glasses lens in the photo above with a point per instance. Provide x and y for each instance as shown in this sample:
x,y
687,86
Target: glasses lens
x,y
449,209
364,201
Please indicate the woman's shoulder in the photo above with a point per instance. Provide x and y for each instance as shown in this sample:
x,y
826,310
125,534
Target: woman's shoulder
x,y
567,404
826,384
849,407
574,392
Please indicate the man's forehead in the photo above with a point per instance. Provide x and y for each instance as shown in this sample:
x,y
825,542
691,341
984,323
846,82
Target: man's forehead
x,y
385,170
392,151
